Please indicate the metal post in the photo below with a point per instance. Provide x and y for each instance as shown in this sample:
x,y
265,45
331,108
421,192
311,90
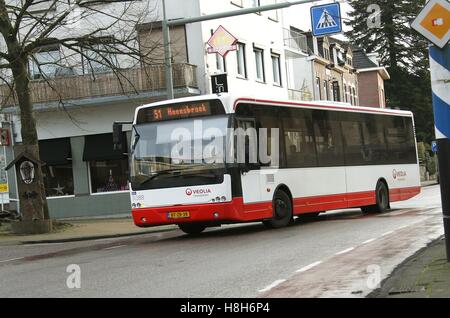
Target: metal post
x,y
440,79
167,54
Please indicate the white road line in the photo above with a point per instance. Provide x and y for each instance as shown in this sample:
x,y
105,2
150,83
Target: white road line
x,y
11,260
387,233
273,285
345,251
369,241
307,268
113,247
42,244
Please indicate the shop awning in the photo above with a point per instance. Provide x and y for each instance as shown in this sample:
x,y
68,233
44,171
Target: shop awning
x,y
55,152
101,147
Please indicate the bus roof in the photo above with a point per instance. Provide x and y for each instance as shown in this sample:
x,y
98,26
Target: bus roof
x,y
231,101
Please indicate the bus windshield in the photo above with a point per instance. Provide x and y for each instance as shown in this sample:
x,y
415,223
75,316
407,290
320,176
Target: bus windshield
x,y
178,147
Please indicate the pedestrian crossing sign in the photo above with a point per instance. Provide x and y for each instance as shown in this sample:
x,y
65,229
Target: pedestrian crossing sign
x,y
326,19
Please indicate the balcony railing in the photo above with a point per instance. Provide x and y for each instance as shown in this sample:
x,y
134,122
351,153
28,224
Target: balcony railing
x,y
126,82
295,40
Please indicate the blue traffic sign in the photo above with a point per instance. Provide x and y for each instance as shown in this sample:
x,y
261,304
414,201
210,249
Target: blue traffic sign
x,y
434,146
326,19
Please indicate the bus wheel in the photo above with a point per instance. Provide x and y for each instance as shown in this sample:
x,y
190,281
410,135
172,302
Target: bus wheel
x,y
382,196
282,211
192,228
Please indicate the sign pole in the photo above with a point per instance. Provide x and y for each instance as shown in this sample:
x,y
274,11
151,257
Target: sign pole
x,y
440,80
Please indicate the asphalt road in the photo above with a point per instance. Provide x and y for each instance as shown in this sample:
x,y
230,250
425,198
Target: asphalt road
x,y
232,261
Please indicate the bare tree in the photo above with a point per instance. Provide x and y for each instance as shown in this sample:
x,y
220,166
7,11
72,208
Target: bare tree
x,y
47,38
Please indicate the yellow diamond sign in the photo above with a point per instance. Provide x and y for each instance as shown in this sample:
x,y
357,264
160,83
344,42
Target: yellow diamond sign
x,y
222,42
433,22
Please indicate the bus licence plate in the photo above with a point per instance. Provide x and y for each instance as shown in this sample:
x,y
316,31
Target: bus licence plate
x,y
178,215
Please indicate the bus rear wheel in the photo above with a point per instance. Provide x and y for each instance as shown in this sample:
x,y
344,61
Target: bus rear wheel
x,y
382,200
282,211
192,229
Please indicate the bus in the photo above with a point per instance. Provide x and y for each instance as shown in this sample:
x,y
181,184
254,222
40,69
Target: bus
x,y
318,157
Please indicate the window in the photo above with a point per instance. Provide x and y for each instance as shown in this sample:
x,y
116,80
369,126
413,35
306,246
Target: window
x,y
272,14
299,138
328,139
326,53
109,175
318,91
374,139
355,153
220,63
336,92
98,60
254,3
349,61
238,3
259,61
276,67
108,167
400,139
57,171
44,64
326,93
241,60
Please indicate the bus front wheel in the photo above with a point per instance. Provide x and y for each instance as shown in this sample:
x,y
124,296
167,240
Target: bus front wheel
x,y
282,211
382,200
192,229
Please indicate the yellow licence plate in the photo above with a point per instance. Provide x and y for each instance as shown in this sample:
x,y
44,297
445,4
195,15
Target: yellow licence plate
x,y
178,215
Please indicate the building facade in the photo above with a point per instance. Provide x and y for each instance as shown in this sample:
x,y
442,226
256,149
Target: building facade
x,y
84,175
371,77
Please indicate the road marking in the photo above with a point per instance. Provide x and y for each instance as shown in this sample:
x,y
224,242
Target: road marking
x,y
310,266
273,285
113,247
369,241
387,233
11,260
345,251
42,244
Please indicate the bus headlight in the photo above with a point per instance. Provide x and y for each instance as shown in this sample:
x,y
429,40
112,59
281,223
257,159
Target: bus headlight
x,y
224,199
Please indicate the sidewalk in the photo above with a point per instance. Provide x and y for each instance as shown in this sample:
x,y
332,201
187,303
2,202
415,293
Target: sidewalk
x,y
429,183
424,275
80,230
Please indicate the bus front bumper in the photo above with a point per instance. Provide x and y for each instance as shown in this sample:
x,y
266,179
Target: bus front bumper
x,y
214,213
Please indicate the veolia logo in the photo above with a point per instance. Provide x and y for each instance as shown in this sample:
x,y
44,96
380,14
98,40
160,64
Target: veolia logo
x,y
205,191
398,174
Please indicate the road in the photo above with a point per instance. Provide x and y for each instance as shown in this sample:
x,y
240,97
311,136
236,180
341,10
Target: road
x,y
232,261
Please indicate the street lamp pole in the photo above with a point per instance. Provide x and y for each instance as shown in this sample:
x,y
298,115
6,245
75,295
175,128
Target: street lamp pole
x,y
167,53
168,23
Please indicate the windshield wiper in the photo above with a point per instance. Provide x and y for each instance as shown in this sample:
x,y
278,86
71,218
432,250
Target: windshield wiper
x,y
171,171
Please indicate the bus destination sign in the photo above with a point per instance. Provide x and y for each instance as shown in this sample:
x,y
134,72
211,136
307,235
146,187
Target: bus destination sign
x,y
173,112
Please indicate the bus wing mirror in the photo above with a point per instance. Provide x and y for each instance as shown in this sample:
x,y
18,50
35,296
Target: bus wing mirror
x,y
118,133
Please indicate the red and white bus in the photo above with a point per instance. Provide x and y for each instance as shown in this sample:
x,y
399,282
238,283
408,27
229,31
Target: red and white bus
x,y
330,156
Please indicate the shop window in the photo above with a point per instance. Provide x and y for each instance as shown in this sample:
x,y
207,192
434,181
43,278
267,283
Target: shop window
x,y
108,166
57,171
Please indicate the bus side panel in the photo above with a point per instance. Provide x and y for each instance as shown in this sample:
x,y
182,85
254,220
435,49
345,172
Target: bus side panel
x,y
313,189
403,182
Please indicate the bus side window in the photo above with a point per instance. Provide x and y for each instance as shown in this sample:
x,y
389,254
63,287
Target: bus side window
x,y
328,137
353,138
299,139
